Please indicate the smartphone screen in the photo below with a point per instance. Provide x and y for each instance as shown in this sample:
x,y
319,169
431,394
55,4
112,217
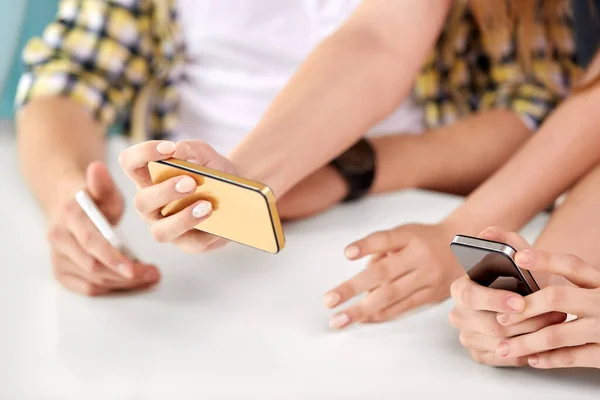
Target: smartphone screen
x,y
491,269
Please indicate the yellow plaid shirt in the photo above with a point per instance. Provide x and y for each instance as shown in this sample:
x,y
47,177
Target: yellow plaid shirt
x,y
102,53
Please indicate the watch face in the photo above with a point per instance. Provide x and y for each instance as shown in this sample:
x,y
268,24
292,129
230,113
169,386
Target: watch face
x,y
358,159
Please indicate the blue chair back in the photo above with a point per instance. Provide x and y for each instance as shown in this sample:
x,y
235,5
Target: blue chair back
x,y
19,21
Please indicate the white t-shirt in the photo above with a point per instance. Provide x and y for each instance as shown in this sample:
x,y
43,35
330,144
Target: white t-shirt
x,y
240,54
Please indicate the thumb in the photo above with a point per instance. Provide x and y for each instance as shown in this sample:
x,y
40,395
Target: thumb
x,y
104,192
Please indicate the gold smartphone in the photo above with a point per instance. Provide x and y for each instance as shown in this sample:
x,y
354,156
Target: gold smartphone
x,y
244,211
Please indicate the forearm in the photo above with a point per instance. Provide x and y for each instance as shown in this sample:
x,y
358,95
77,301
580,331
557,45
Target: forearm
x,y
57,139
563,149
350,82
573,227
452,159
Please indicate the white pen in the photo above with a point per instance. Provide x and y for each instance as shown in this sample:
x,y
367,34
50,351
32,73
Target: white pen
x,y
101,223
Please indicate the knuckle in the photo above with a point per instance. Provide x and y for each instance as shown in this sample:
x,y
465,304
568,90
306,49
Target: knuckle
x,y
139,203
159,234
387,238
123,159
466,297
90,290
379,272
377,317
87,238
189,249
552,338
465,339
571,263
453,318
567,358
53,234
476,356
71,208
388,296
91,265
457,287
497,330
554,295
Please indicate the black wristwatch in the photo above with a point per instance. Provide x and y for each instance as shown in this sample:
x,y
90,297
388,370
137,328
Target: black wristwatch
x,y
357,166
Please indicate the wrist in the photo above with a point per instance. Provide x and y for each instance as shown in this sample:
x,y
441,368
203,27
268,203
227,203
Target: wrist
x,y
462,223
401,162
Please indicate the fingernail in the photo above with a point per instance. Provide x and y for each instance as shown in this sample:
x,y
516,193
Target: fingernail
x,y
523,257
151,275
165,147
331,299
185,184
339,321
503,349
502,318
125,270
202,209
533,360
515,303
351,252
192,160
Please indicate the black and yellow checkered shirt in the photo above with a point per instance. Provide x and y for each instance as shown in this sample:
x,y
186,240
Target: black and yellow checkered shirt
x,y
103,53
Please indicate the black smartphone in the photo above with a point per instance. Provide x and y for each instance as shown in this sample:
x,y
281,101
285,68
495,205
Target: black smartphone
x,y
492,264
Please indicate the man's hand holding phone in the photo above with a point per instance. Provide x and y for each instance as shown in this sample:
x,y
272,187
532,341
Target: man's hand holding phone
x,y
477,308
150,199
83,260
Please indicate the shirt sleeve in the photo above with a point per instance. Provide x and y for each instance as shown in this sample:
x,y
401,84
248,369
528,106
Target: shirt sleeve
x,y
97,53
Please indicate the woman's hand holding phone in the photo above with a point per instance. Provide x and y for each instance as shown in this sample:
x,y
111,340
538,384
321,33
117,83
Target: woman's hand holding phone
x,y
150,199
82,259
572,344
480,312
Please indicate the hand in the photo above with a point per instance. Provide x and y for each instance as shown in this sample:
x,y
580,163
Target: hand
x,y
317,193
82,259
411,266
150,199
477,308
572,344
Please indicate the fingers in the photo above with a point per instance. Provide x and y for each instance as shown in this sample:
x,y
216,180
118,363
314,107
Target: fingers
x,y
586,356
95,273
511,238
101,280
104,191
378,242
150,200
479,342
566,299
90,239
571,267
494,360
64,243
484,322
194,242
416,299
376,274
572,333
169,228
200,153
134,160
486,335
468,294
73,282
378,300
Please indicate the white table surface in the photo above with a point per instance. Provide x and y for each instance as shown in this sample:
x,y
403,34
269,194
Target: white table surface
x,y
237,323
